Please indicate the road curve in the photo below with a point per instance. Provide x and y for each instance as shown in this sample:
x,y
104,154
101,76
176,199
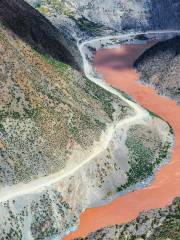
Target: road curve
x,y
42,183
116,66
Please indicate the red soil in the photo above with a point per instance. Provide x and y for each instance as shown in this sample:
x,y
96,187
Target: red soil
x,y
116,67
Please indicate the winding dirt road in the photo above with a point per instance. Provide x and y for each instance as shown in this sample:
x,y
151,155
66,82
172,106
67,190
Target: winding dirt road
x,y
116,67
165,187
18,190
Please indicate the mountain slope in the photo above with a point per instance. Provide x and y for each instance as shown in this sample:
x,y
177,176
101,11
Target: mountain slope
x,y
36,30
48,112
159,67
52,121
93,16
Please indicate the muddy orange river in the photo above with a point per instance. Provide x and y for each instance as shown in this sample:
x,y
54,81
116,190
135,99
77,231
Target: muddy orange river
x,y
116,67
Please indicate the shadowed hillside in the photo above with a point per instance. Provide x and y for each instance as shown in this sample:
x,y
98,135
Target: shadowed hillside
x,y
35,29
159,67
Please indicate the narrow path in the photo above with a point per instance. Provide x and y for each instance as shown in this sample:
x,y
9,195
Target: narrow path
x,y
40,184
116,67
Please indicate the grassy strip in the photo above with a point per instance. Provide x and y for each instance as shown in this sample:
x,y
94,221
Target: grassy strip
x,y
102,95
55,63
141,161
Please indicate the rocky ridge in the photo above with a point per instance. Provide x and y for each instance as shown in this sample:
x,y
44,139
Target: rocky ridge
x,y
159,67
91,16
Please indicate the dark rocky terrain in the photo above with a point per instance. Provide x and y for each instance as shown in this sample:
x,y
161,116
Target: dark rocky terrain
x,y
38,31
160,67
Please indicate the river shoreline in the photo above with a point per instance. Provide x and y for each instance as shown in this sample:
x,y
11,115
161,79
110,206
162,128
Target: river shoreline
x,y
111,75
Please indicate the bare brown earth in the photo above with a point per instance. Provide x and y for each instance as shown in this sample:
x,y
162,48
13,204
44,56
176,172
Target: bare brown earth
x,y
116,67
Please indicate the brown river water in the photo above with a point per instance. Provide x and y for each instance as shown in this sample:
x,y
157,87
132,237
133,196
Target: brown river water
x,y
116,66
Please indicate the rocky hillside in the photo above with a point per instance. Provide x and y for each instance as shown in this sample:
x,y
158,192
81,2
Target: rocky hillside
x,y
36,30
51,119
48,112
93,16
158,224
159,67
56,155
62,149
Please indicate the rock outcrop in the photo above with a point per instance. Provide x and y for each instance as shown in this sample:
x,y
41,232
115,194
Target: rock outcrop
x,y
160,67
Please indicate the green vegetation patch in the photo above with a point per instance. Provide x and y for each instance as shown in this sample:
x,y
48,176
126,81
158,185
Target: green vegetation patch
x,y
44,222
143,159
102,95
92,28
170,229
55,63
141,162
50,6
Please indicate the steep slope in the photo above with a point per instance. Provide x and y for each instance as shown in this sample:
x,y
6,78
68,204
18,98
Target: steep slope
x,y
58,153
93,16
48,112
51,119
61,151
159,67
36,30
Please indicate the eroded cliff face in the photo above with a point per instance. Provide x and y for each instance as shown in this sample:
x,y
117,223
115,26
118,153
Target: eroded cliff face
x,y
165,14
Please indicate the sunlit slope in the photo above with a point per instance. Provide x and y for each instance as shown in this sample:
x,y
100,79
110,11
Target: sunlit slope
x,y
159,67
48,112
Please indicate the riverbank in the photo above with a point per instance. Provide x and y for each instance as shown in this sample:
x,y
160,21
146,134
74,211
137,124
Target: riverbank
x,y
116,67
